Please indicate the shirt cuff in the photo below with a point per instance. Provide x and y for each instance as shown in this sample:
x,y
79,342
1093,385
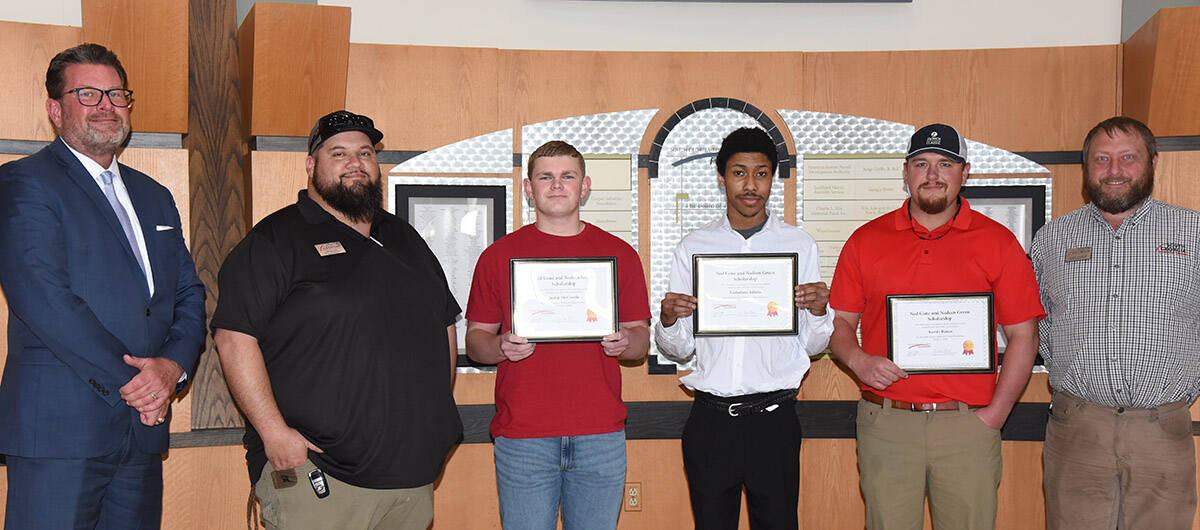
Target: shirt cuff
x,y
818,322
670,337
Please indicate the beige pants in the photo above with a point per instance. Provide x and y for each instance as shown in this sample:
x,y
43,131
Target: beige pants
x,y
347,507
1122,468
950,454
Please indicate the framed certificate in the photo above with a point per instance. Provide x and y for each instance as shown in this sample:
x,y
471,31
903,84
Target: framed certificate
x,y
744,294
941,333
563,299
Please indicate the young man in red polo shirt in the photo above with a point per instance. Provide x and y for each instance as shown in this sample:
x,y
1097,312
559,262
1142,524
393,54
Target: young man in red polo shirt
x,y
932,432
559,428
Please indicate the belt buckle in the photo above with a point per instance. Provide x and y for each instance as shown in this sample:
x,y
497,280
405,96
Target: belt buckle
x,y
731,412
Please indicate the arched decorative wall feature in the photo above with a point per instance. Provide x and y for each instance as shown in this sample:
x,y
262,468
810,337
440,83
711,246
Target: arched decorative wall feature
x,y
487,153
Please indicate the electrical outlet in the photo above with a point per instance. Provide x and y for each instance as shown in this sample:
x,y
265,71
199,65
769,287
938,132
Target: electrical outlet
x,y
633,496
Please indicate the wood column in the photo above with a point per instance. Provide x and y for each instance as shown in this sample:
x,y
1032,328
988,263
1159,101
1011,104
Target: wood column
x,y
217,153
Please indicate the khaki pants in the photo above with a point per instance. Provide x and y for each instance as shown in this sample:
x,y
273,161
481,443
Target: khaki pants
x,y
1122,468
347,507
951,454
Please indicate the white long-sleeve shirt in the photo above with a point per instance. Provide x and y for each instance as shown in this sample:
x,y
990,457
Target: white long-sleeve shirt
x,y
734,366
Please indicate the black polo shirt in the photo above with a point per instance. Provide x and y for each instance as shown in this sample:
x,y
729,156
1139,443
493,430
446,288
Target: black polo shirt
x,y
353,334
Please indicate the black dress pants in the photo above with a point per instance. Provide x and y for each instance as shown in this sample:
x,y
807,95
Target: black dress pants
x,y
758,451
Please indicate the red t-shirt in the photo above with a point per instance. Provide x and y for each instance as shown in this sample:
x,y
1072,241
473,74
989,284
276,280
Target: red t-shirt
x,y
564,388
971,253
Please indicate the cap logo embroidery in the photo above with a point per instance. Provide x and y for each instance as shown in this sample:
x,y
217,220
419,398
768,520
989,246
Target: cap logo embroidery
x,y
933,139
1172,248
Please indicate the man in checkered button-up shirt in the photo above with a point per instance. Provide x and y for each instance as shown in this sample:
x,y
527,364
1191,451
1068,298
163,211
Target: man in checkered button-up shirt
x,y
1118,279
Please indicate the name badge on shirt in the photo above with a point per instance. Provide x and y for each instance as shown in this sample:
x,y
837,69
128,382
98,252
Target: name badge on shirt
x,y
1078,254
330,248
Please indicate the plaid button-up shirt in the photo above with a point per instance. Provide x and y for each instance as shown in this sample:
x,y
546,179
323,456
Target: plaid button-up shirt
x,y
1123,306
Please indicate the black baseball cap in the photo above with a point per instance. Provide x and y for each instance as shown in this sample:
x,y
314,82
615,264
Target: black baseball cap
x,y
339,122
940,138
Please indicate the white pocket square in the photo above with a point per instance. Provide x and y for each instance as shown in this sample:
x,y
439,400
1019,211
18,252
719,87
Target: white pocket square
x,y
163,228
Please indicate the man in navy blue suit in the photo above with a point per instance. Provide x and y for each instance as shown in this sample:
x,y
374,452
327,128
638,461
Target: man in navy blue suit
x,y
106,313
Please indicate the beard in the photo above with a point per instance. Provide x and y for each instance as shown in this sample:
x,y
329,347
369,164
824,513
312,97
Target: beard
x,y
98,140
1138,191
932,206
357,201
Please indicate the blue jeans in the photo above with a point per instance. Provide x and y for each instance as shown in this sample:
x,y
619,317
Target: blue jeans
x,y
585,473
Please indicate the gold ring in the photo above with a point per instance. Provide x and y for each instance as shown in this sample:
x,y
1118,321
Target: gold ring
x,y
160,420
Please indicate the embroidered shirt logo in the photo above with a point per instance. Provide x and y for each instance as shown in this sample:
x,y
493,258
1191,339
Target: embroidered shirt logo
x,y
1172,248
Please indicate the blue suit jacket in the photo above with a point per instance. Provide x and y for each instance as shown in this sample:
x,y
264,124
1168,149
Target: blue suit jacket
x,y
78,301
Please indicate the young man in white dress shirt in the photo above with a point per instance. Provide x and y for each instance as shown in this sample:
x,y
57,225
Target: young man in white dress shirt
x,y
743,430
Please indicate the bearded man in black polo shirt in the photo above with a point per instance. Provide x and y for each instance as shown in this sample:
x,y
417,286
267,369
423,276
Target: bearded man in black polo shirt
x,y
335,330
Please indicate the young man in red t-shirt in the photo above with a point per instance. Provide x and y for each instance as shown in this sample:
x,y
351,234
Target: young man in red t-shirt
x,y
559,425
932,432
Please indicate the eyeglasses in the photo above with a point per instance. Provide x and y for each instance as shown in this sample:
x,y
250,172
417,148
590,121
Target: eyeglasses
x,y
91,96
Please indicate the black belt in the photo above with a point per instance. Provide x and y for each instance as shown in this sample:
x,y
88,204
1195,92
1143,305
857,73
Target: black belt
x,y
748,404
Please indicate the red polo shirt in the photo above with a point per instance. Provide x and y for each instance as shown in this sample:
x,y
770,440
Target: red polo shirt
x,y
971,253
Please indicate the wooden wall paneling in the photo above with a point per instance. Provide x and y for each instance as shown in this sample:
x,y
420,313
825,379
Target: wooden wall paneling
x,y
1068,186
216,178
828,380
658,466
475,389
245,55
151,38
1039,99
168,167
298,66
638,384
205,487
276,177
1021,505
1169,101
28,50
1175,178
424,97
913,87
994,96
469,479
546,85
1037,390
829,493
1137,67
